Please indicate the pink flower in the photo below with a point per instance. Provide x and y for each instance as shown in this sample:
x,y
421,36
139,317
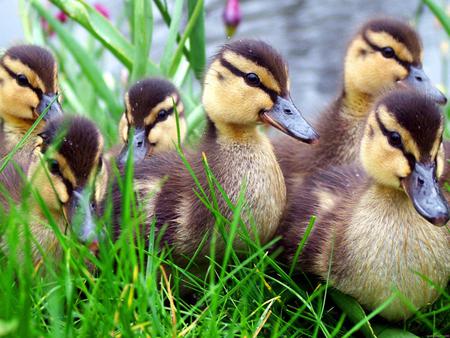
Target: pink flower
x,y
61,16
102,10
231,16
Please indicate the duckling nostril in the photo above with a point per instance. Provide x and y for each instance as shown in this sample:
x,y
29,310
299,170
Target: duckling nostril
x,y
419,78
288,111
140,144
420,181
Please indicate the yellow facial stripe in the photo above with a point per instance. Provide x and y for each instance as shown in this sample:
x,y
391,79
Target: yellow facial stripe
x,y
440,160
383,39
392,125
66,171
19,68
123,128
437,143
128,109
166,104
55,79
101,184
247,66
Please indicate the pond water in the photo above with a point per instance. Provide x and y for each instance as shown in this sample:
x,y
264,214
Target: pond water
x,y
311,34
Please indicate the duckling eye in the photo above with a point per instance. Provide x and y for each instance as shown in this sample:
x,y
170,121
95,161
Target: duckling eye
x,y
252,79
387,52
22,80
395,139
162,115
53,167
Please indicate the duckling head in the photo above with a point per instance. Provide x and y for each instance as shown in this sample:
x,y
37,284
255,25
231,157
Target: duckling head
x,y
248,83
28,84
385,54
69,173
150,111
402,149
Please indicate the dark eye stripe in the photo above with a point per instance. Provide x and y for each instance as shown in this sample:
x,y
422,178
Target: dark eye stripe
x,y
404,64
410,157
38,91
272,93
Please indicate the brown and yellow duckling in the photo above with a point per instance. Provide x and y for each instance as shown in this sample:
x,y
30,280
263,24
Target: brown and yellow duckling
x,y
245,85
68,176
28,84
384,54
150,111
380,224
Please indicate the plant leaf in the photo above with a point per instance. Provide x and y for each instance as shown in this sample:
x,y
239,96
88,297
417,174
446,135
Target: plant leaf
x,y
187,33
383,331
172,36
143,27
197,56
103,30
84,59
353,310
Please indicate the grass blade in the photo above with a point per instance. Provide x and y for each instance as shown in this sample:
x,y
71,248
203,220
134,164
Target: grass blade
x,y
440,14
143,28
103,30
172,36
187,33
197,57
84,59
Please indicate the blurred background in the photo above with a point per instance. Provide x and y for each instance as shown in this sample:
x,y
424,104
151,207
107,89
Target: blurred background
x,y
311,34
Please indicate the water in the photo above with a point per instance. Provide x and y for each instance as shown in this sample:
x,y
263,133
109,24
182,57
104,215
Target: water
x,y
311,34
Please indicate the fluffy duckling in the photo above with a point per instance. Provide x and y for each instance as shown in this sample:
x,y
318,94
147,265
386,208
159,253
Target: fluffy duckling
x,y
379,224
28,84
68,176
384,54
150,110
245,85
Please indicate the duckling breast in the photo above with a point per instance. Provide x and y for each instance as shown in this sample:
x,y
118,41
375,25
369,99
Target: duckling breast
x,y
254,168
392,248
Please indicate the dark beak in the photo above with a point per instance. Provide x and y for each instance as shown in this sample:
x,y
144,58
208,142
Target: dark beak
x,y
140,144
82,218
418,80
423,189
52,112
286,117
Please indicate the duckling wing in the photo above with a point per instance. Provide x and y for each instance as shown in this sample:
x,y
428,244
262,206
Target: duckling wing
x,y
445,178
11,183
327,194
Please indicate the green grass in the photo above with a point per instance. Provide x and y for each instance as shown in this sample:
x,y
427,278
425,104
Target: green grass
x,y
136,289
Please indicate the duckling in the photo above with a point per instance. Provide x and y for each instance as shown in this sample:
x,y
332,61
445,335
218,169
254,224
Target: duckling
x,y
379,223
150,110
68,176
385,54
245,85
28,84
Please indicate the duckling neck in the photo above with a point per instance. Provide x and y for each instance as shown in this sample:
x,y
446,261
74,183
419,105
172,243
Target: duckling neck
x,y
13,131
355,102
235,133
243,155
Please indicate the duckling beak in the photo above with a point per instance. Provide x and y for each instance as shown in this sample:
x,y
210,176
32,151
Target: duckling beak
x,y
418,80
286,117
55,109
423,189
141,147
82,218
